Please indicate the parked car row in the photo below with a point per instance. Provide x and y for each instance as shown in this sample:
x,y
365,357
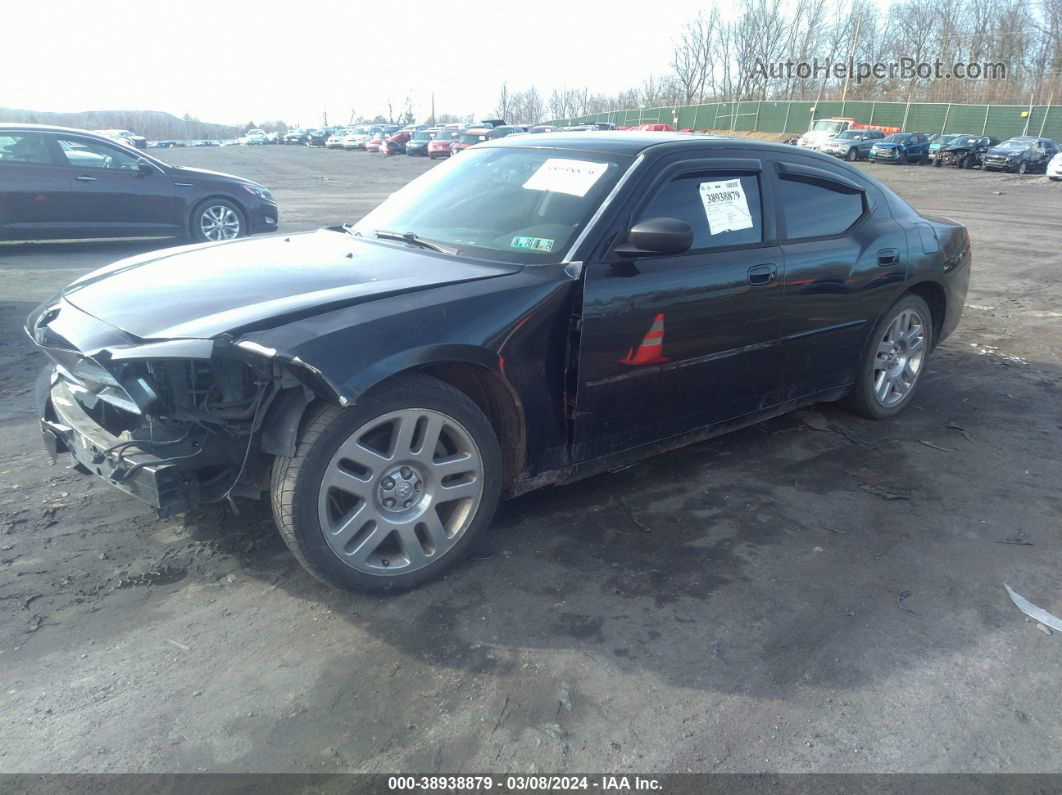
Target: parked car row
x,y
1022,154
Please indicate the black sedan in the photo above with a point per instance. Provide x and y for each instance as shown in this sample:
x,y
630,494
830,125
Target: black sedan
x,y
62,183
531,313
1023,154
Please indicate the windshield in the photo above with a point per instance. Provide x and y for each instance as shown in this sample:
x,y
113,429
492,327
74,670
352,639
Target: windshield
x,y
962,140
423,135
825,125
472,138
1017,143
898,138
850,135
508,204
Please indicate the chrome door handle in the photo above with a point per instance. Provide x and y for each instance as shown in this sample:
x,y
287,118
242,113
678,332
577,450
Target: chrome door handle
x,y
86,179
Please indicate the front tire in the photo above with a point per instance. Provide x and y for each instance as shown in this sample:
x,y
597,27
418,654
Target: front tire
x,y
390,493
215,220
1023,167
894,360
852,155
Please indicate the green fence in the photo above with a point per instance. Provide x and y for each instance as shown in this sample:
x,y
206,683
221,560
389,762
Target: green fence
x,y
1001,121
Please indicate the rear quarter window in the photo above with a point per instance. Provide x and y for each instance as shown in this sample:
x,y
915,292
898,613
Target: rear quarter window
x,y
813,210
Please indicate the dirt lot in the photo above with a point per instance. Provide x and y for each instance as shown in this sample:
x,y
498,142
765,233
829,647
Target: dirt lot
x,y
820,593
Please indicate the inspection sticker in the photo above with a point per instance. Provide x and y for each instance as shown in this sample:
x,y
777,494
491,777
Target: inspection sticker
x,y
561,175
533,243
725,206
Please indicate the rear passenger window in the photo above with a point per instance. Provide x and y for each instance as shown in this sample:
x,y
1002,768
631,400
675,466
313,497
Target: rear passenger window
x,y
723,210
813,210
18,147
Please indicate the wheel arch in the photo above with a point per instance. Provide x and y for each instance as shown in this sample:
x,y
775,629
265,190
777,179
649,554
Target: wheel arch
x,y
494,396
190,221
936,299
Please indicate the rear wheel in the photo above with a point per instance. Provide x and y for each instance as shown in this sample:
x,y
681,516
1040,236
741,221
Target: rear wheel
x,y
894,360
390,493
852,154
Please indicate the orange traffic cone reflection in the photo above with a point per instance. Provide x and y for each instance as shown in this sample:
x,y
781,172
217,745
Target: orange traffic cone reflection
x,y
652,348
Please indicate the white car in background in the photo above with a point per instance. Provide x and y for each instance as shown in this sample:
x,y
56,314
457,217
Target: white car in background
x,y
252,138
1054,168
357,138
125,137
336,139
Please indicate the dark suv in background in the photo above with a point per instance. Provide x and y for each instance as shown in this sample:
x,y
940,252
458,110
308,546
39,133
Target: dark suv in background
x,y
61,183
1022,154
901,147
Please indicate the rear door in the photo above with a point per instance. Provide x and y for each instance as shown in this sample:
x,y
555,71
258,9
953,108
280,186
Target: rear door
x,y
671,344
109,194
33,187
844,257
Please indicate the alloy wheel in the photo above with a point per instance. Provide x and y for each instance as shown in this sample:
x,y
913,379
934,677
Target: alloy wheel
x,y
400,492
901,352
219,222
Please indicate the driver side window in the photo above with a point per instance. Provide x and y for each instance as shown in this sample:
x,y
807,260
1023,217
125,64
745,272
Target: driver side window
x,y
724,210
84,153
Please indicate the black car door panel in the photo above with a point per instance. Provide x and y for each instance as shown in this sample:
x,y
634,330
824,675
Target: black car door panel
x,y
670,344
109,192
842,261
34,189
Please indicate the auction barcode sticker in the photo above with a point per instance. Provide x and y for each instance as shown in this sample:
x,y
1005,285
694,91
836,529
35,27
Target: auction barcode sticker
x,y
725,206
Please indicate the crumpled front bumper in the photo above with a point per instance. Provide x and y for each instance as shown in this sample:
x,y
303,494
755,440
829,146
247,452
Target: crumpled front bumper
x,y
170,487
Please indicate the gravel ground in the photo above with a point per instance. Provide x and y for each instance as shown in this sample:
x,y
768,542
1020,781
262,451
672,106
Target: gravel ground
x,y
818,593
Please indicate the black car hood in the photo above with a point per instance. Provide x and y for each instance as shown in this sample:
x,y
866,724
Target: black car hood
x,y
206,290
999,150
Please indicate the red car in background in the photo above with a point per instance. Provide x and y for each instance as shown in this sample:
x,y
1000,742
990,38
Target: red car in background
x,y
439,146
471,137
396,144
543,128
376,142
653,128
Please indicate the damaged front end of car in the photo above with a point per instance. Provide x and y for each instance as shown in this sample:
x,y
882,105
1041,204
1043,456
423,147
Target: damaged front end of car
x,y
176,423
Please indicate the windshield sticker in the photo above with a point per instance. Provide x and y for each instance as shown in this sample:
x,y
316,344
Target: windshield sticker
x,y
725,206
532,243
561,175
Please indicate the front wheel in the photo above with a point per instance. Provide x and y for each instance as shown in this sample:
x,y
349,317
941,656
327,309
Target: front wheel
x,y
894,360
851,155
390,493
217,219
1023,167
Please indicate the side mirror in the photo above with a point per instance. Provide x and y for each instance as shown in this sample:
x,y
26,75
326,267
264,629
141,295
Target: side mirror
x,y
145,168
656,236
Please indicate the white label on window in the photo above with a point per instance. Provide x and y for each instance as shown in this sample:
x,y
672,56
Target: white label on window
x,y
560,175
725,206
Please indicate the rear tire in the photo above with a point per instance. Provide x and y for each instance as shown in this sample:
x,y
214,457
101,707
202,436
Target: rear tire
x,y
894,360
852,155
362,507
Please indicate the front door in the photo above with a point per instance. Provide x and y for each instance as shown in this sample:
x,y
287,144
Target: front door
x,y
671,344
110,193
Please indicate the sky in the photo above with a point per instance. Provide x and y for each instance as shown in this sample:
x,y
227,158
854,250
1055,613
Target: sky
x,y
232,61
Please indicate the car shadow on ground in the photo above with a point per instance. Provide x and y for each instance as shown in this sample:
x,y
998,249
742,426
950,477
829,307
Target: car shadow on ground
x,y
79,253
785,555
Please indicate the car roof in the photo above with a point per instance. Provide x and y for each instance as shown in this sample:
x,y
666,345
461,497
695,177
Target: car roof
x,y
622,142
51,128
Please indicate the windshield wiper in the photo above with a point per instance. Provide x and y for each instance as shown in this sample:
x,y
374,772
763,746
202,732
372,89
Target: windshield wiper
x,y
413,240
